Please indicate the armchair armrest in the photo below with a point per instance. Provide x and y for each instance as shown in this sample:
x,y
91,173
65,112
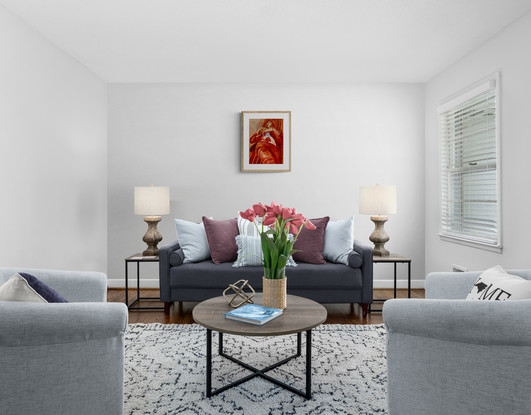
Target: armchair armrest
x,y
457,356
164,269
62,358
35,324
74,286
464,321
366,270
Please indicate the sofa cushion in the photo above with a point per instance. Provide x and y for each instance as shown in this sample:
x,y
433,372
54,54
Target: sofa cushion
x,y
311,242
496,284
221,235
250,252
206,274
26,287
339,240
193,241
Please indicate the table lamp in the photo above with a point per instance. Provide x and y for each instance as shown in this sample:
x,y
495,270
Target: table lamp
x,y
378,201
152,201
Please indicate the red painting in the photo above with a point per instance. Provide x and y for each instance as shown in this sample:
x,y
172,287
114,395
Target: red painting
x,y
266,141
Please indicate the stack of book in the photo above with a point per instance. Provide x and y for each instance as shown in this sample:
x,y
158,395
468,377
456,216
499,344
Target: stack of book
x,y
254,314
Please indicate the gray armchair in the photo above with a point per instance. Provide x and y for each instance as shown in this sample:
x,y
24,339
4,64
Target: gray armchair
x,y
446,355
62,358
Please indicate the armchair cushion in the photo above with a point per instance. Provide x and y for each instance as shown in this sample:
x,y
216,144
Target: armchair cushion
x,y
495,284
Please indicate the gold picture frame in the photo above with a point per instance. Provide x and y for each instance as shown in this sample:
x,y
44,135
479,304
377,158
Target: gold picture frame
x,y
266,141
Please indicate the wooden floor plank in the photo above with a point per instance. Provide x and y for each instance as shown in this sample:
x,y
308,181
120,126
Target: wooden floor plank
x,y
181,313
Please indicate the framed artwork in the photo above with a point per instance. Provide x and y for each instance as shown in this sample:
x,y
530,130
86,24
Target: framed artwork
x,y
266,141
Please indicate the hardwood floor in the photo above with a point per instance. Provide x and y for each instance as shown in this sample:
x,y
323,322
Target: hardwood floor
x,y
181,313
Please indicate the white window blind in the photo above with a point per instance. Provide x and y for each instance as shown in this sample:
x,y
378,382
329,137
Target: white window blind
x,y
470,188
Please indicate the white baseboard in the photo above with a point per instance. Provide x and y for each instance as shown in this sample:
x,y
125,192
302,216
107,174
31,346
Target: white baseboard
x,y
153,283
144,283
400,283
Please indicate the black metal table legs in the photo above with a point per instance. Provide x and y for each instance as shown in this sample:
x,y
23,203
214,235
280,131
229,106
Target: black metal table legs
x,y
138,298
260,372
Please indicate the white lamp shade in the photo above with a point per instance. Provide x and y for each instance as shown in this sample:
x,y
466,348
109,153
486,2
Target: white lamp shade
x,y
378,200
152,200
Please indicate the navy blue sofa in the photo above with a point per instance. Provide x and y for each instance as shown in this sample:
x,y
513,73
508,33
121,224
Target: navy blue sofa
x,y
324,283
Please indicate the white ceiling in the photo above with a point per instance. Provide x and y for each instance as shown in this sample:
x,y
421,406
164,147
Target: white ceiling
x,y
267,40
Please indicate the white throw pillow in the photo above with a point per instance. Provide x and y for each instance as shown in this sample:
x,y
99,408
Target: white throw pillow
x,y
250,252
496,284
192,240
17,288
248,228
339,240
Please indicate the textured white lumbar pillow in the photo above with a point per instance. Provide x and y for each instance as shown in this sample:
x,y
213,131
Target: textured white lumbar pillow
x,y
495,284
250,252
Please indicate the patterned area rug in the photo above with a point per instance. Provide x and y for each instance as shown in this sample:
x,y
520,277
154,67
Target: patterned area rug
x,y
165,372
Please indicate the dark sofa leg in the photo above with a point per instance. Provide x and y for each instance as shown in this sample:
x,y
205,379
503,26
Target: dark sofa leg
x,y
365,309
167,308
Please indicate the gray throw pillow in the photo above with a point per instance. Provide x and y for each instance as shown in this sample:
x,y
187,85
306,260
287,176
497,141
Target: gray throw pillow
x,y
339,240
193,241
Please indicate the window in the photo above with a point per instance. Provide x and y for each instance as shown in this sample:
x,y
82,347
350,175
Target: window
x,y
470,185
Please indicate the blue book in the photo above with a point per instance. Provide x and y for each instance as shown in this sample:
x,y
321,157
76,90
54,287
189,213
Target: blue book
x,y
254,314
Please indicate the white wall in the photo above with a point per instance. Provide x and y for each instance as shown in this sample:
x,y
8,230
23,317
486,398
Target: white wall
x,y
188,137
508,52
53,211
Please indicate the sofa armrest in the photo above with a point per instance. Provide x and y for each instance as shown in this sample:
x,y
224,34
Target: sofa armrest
x,y
164,269
464,321
366,270
74,286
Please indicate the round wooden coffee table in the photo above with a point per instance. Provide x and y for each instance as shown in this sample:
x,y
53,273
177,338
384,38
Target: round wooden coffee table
x,y
301,315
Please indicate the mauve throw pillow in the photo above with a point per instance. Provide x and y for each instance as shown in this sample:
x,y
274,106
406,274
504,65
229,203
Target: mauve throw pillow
x,y
311,243
221,236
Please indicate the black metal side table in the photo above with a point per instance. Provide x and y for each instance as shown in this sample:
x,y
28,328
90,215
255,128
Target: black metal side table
x,y
394,259
138,258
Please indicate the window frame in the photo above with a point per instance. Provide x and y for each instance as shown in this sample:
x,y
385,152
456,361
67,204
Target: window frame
x,y
467,95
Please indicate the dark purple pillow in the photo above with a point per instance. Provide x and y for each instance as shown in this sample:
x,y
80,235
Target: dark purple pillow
x,y
48,293
311,243
221,236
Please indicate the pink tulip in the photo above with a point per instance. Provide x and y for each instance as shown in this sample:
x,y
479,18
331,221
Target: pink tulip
x,y
248,214
294,228
270,219
309,225
287,213
297,222
259,209
276,209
